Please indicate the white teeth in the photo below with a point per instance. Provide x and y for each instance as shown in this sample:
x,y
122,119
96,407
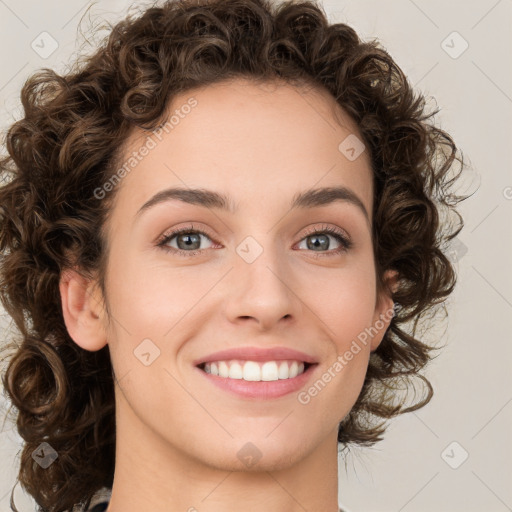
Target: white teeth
x,y
236,371
223,369
255,371
283,372
252,371
269,371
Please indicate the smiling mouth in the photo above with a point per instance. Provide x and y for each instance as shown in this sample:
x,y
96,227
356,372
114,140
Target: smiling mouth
x,y
256,371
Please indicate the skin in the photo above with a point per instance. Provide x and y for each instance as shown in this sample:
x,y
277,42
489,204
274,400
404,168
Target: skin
x,y
178,435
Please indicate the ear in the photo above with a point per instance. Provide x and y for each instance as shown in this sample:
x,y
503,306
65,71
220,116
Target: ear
x,y
83,311
384,308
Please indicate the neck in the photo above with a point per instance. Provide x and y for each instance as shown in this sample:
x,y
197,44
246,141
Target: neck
x,y
153,474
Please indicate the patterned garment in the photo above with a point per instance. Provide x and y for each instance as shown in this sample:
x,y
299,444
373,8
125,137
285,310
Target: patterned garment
x,y
101,507
101,499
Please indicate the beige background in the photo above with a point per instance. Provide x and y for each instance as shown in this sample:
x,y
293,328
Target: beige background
x,y
409,471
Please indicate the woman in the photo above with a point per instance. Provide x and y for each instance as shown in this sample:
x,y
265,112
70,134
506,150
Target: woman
x,y
219,234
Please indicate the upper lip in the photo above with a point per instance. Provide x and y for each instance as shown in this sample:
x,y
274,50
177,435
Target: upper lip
x,y
257,354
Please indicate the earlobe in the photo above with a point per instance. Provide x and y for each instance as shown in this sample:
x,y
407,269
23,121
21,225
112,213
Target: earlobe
x,y
384,309
82,308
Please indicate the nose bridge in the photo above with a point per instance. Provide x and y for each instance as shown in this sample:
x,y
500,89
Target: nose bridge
x,y
260,261
260,282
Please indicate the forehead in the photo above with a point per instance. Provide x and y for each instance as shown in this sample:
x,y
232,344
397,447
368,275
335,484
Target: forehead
x,y
246,140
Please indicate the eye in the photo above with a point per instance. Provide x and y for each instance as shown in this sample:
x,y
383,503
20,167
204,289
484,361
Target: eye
x,y
318,240
187,243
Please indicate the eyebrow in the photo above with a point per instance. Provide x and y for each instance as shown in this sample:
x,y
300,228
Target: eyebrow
x,y
210,199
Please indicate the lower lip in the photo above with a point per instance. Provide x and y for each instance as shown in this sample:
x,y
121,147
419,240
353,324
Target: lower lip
x,y
261,390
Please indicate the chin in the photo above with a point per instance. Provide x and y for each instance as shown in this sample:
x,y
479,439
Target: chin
x,y
257,454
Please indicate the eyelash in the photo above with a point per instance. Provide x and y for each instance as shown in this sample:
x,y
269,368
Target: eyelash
x,y
345,242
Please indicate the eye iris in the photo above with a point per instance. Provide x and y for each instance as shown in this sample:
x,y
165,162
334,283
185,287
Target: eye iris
x,y
191,239
321,241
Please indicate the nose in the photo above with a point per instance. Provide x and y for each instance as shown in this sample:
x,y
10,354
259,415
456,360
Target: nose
x,y
261,292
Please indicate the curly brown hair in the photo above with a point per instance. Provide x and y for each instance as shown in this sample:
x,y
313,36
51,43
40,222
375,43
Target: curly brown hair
x,y
70,141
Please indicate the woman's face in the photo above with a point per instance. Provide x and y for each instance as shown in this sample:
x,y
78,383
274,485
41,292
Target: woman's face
x,y
267,278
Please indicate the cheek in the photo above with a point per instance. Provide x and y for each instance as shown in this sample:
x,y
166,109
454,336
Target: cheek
x,y
346,307
346,303
151,298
